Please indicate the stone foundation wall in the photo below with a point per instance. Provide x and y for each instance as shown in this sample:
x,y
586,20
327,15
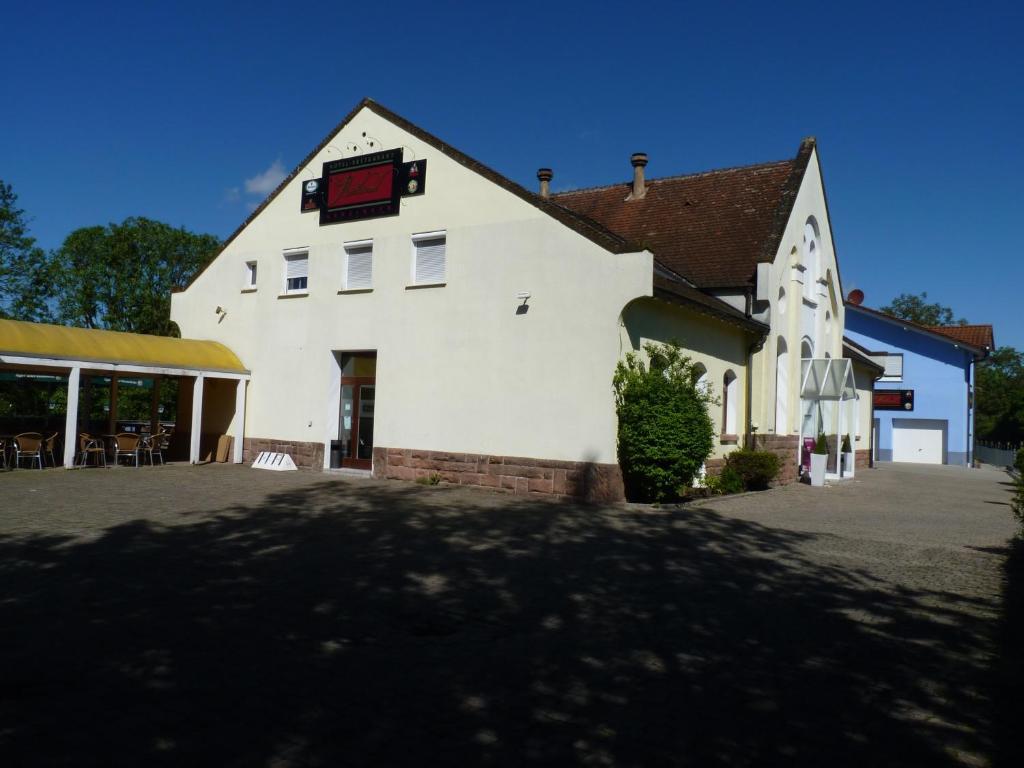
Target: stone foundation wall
x,y
303,454
862,459
783,446
714,467
512,474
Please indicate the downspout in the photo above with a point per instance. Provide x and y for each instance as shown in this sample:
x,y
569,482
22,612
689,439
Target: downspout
x,y
970,413
871,447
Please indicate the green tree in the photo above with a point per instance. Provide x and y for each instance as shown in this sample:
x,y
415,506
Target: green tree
x,y
665,433
999,396
120,276
24,268
917,309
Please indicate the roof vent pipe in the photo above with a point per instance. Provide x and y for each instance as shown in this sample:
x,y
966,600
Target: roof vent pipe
x,y
639,160
545,175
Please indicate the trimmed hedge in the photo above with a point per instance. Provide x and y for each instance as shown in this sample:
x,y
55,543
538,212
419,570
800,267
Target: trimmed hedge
x,y
756,469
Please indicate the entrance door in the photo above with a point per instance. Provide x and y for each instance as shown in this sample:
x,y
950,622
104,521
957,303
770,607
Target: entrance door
x,y
355,427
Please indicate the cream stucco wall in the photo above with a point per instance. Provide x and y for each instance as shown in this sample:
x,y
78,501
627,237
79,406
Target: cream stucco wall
x,y
799,317
865,384
458,369
718,346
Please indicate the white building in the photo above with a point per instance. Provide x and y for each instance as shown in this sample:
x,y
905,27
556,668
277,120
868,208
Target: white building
x,y
421,313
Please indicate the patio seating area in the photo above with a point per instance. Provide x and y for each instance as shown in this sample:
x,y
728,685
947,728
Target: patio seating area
x,y
33,450
76,397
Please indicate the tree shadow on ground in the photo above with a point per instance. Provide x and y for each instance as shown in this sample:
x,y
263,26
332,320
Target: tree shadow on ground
x,y
390,626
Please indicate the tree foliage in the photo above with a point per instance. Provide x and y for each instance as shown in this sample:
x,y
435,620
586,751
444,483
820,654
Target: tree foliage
x,y
917,309
120,276
999,394
23,265
665,433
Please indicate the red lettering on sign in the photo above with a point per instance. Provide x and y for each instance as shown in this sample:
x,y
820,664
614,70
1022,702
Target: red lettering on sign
x,y
888,398
360,185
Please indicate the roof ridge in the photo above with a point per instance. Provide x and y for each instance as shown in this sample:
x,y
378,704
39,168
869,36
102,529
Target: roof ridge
x,y
695,174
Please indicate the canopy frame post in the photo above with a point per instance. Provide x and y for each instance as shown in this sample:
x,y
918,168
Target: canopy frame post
x,y
71,418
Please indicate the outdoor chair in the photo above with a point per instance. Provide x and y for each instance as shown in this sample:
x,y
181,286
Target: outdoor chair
x,y
153,446
49,446
91,446
28,445
126,444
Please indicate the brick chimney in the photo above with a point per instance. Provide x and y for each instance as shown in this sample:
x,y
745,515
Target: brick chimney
x,y
639,161
545,175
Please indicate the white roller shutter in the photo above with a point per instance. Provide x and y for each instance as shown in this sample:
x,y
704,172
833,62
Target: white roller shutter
x,y
430,261
296,266
359,271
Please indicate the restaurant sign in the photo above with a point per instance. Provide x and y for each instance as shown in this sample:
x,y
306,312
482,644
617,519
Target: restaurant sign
x,y
894,400
364,186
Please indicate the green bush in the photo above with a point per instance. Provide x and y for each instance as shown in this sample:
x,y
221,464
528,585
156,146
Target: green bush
x,y
665,433
1017,502
754,468
1019,462
728,481
846,444
821,445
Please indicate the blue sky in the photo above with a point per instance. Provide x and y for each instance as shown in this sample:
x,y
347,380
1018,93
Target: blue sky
x,y
186,112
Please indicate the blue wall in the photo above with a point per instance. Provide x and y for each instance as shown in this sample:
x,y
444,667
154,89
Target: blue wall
x,y
938,371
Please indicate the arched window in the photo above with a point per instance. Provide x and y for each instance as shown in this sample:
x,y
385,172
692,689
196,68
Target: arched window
x,y
806,349
781,388
729,403
811,258
700,377
782,301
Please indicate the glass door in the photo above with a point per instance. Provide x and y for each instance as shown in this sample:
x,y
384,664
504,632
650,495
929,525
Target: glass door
x,y
355,427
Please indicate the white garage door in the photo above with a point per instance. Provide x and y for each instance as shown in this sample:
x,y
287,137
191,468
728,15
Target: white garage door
x,y
918,440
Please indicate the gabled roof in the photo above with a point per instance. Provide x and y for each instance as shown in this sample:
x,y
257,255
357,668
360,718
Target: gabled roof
x,y
589,229
947,333
714,227
60,342
972,335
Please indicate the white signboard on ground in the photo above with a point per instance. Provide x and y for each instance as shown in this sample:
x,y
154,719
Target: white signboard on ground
x,y
278,462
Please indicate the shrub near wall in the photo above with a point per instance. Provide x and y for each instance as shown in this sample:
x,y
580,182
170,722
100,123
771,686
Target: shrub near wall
x,y
755,468
665,433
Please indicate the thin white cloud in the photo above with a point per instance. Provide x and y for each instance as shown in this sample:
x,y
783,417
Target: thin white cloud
x,y
232,194
266,182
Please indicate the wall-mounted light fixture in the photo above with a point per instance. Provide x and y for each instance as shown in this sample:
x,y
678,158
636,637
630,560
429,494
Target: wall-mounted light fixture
x,y
523,296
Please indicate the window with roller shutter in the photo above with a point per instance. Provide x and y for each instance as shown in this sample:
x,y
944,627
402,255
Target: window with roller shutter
x,y
358,266
429,259
296,272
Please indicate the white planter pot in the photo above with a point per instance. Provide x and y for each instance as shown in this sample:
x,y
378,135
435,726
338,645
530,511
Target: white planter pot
x,y
848,464
818,462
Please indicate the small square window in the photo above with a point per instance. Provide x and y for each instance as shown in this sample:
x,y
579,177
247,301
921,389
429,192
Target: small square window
x,y
893,367
296,272
250,274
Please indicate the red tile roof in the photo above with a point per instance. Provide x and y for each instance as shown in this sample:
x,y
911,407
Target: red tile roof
x,y
978,337
712,228
973,335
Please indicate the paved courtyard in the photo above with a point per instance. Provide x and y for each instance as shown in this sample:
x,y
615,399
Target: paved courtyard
x,y
226,616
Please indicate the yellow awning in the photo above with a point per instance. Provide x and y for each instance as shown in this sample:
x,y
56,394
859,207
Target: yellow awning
x,y
87,345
